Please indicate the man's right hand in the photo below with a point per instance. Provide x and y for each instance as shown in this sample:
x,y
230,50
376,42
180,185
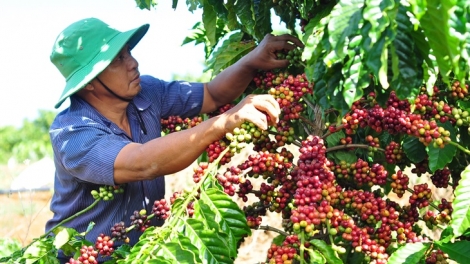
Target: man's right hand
x,y
257,109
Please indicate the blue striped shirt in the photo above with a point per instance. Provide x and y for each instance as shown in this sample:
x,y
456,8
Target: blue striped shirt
x,y
86,144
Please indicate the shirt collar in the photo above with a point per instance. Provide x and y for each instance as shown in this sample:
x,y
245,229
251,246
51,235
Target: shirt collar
x,y
77,104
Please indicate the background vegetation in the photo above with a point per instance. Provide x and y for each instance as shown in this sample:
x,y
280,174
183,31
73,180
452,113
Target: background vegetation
x,y
30,141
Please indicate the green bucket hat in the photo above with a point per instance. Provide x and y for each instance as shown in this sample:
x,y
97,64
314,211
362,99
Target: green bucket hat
x,y
85,48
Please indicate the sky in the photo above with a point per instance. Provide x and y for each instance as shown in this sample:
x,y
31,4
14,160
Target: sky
x,y
29,82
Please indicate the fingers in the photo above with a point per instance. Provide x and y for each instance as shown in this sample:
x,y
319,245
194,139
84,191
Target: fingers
x,y
264,56
289,38
270,107
284,41
265,109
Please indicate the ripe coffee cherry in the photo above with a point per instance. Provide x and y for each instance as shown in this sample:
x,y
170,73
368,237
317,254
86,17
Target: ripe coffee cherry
x,y
161,209
104,245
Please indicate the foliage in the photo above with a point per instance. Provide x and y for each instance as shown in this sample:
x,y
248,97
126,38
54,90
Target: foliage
x,y
8,246
378,92
30,141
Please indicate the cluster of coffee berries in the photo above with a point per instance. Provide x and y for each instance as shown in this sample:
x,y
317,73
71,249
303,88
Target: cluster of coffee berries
x,y
105,245
421,196
281,254
107,192
430,220
119,232
221,110
87,255
441,178
161,209
176,123
267,79
215,148
394,153
395,118
445,211
399,183
241,136
294,56
199,171
229,179
139,220
437,257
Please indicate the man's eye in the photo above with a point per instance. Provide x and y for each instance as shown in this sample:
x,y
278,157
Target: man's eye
x,y
118,58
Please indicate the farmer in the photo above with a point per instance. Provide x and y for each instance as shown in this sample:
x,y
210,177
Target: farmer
x,y
111,133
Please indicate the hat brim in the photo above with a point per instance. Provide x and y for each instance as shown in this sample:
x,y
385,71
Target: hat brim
x,y
108,51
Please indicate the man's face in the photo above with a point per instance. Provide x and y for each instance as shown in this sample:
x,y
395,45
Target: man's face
x,y
122,75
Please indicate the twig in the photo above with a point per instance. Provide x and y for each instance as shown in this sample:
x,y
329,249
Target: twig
x,y
363,146
270,228
466,151
71,217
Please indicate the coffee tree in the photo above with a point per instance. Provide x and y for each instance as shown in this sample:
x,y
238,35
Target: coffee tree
x,y
374,123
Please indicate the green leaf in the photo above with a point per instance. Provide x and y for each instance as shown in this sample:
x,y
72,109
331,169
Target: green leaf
x,y
39,249
279,240
211,246
326,251
315,256
219,8
320,94
347,156
422,46
442,39
334,90
63,236
204,213
232,20
458,251
176,253
244,10
263,20
314,34
160,260
376,55
344,23
122,251
209,19
461,204
186,244
356,258
408,73
409,253
446,235
414,150
286,15
334,139
377,13
464,138
439,158
228,214
356,79
229,52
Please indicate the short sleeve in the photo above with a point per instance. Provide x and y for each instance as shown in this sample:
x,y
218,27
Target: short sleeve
x,y
88,151
175,98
